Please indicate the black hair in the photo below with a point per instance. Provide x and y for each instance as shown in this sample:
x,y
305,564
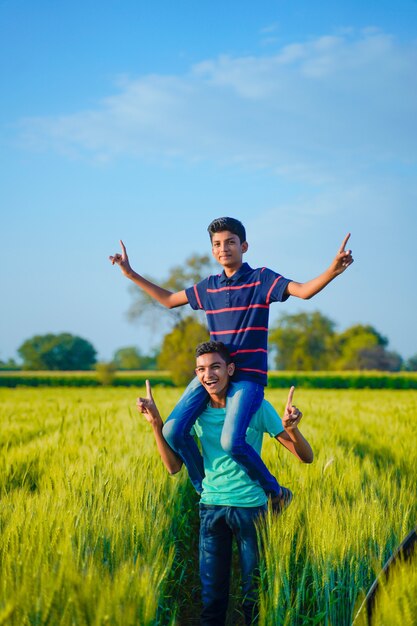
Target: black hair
x,y
227,223
208,347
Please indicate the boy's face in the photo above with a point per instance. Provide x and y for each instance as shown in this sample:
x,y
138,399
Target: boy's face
x,y
214,373
227,249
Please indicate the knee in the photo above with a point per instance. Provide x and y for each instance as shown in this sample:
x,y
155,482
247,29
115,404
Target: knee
x,y
173,433
231,445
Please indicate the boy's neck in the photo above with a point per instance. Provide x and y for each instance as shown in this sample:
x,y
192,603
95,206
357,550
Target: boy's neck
x,y
218,401
230,271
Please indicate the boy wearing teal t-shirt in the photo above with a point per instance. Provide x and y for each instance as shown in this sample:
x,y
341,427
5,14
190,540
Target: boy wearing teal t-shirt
x,y
231,502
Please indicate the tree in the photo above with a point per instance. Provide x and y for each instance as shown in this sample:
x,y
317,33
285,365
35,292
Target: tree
x,y
411,364
131,358
362,347
378,358
178,349
9,365
57,352
303,341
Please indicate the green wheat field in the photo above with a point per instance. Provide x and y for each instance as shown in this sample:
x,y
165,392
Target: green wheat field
x,y
93,530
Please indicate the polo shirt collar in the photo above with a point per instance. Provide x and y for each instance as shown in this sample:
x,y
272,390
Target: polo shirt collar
x,y
243,269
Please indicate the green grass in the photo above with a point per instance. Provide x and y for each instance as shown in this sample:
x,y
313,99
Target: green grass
x,y
94,531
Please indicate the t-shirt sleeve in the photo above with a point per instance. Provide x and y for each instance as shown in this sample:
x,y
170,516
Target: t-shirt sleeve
x,y
270,421
274,286
197,295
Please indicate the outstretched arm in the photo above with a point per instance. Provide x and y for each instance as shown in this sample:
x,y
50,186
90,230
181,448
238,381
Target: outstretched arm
x,y
167,298
339,264
291,437
149,409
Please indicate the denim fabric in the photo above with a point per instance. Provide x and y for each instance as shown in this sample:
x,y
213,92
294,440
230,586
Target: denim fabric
x,y
176,430
243,400
218,526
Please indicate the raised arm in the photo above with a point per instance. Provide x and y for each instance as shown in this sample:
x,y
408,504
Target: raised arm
x,y
291,437
149,409
339,264
165,297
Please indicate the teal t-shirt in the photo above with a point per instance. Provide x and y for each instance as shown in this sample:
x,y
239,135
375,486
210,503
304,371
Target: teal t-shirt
x,y
225,482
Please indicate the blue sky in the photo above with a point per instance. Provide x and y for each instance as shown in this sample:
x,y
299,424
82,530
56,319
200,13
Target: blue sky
x,y
144,121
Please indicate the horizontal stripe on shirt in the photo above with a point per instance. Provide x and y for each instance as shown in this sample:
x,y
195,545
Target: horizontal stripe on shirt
x,y
252,369
240,330
231,287
238,308
249,350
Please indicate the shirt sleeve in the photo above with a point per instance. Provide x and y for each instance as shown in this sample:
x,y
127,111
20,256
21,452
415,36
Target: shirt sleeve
x,y
270,420
197,295
274,286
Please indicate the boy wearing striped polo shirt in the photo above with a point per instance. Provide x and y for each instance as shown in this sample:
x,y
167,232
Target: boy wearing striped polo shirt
x,y
236,303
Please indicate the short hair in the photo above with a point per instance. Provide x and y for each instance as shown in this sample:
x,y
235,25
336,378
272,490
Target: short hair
x,y
221,224
209,347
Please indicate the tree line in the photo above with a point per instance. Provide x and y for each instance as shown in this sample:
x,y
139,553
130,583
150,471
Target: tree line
x,y
298,342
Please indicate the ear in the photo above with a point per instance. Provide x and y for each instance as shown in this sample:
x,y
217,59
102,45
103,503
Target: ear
x,y
231,369
245,247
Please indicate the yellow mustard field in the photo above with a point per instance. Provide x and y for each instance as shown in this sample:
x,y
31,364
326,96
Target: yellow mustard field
x,y
93,531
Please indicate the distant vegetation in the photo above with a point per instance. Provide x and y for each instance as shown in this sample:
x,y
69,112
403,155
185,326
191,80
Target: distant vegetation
x,y
298,342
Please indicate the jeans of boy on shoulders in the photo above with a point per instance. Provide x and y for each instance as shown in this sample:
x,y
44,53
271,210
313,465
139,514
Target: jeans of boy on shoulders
x,y
177,427
218,526
244,398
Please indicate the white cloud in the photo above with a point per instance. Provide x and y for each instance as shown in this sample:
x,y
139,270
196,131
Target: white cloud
x,y
317,110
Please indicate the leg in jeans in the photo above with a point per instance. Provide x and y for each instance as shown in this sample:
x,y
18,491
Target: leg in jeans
x,y
216,539
243,523
177,428
243,399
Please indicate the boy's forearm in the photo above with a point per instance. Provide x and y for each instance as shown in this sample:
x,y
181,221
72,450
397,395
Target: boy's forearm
x,y
165,297
296,443
301,446
172,462
310,288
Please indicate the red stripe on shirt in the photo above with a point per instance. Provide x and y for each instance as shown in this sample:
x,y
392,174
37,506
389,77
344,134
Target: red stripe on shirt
x,y
241,330
258,282
249,350
270,291
249,369
238,308
197,297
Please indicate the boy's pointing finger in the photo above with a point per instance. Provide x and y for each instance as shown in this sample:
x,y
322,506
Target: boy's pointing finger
x,y
148,390
290,396
345,240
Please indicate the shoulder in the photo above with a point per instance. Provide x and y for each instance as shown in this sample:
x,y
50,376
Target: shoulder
x,y
267,419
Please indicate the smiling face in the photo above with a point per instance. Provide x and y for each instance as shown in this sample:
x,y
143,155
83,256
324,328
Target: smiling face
x,y
214,374
228,250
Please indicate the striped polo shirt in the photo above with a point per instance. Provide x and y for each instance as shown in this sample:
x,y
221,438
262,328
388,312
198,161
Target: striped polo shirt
x,y
237,310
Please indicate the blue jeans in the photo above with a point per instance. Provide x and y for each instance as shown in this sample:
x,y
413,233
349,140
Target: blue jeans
x,y
218,526
243,399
